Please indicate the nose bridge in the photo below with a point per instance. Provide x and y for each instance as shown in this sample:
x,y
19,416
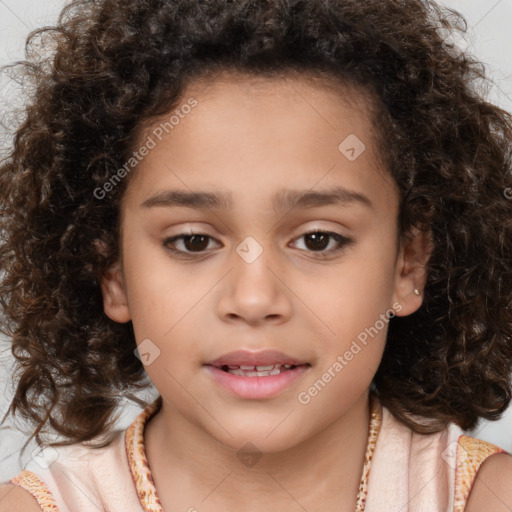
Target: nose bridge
x,y
250,250
254,291
252,262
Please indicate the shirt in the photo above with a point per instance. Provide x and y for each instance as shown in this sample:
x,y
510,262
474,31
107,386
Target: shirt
x,y
403,471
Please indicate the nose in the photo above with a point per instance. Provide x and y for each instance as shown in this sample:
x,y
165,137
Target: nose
x,y
255,291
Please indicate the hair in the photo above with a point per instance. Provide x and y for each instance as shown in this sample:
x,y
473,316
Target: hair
x,y
109,65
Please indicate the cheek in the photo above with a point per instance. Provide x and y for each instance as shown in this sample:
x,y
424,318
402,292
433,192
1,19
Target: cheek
x,y
356,304
358,321
155,287
166,306
335,388
363,283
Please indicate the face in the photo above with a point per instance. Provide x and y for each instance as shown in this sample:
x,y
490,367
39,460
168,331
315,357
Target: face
x,y
295,249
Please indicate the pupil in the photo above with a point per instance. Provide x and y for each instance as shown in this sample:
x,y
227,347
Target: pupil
x,y
316,237
194,247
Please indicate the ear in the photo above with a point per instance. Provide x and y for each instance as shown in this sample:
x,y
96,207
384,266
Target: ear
x,y
411,274
115,303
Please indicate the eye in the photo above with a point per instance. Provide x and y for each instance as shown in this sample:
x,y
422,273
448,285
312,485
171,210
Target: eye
x,y
318,240
191,242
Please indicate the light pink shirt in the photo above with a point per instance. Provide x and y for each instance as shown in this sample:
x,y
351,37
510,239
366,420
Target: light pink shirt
x,y
403,471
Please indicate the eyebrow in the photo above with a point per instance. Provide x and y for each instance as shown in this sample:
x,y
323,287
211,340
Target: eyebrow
x,y
283,200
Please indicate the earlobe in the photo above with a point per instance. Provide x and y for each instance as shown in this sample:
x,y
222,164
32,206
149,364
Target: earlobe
x,y
115,303
411,273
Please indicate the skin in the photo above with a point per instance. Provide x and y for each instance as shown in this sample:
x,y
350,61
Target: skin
x,y
491,489
253,138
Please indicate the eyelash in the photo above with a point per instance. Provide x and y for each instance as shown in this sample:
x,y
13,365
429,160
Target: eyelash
x,y
340,239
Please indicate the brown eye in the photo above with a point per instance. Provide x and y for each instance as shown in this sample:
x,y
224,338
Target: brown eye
x,y
190,243
196,242
318,241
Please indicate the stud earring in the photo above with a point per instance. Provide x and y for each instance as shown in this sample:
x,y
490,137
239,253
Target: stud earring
x,y
416,291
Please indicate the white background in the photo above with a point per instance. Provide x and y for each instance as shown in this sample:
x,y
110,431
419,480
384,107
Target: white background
x,y
489,38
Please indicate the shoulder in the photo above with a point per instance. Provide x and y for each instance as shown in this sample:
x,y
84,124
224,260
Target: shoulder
x,y
14,499
30,487
492,487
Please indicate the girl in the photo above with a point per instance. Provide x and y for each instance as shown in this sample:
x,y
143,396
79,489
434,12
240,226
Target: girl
x,y
292,219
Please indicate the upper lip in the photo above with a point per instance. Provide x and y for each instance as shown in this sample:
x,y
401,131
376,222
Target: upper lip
x,y
248,358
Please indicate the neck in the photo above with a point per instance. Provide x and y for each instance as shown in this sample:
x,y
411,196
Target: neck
x,y
191,468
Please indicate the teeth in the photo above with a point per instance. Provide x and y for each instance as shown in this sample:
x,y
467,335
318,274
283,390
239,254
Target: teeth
x,y
260,368
265,368
247,373
257,371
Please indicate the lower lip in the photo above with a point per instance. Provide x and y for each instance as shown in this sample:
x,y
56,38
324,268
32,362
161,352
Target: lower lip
x,y
256,387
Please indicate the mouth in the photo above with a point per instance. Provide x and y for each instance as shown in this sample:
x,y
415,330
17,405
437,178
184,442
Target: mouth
x,y
256,375
256,379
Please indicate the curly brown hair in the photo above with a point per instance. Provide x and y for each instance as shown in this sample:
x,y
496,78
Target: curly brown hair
x,y
116,63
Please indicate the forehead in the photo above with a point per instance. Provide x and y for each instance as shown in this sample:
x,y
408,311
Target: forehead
x,y
321,93
284,92
264,131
